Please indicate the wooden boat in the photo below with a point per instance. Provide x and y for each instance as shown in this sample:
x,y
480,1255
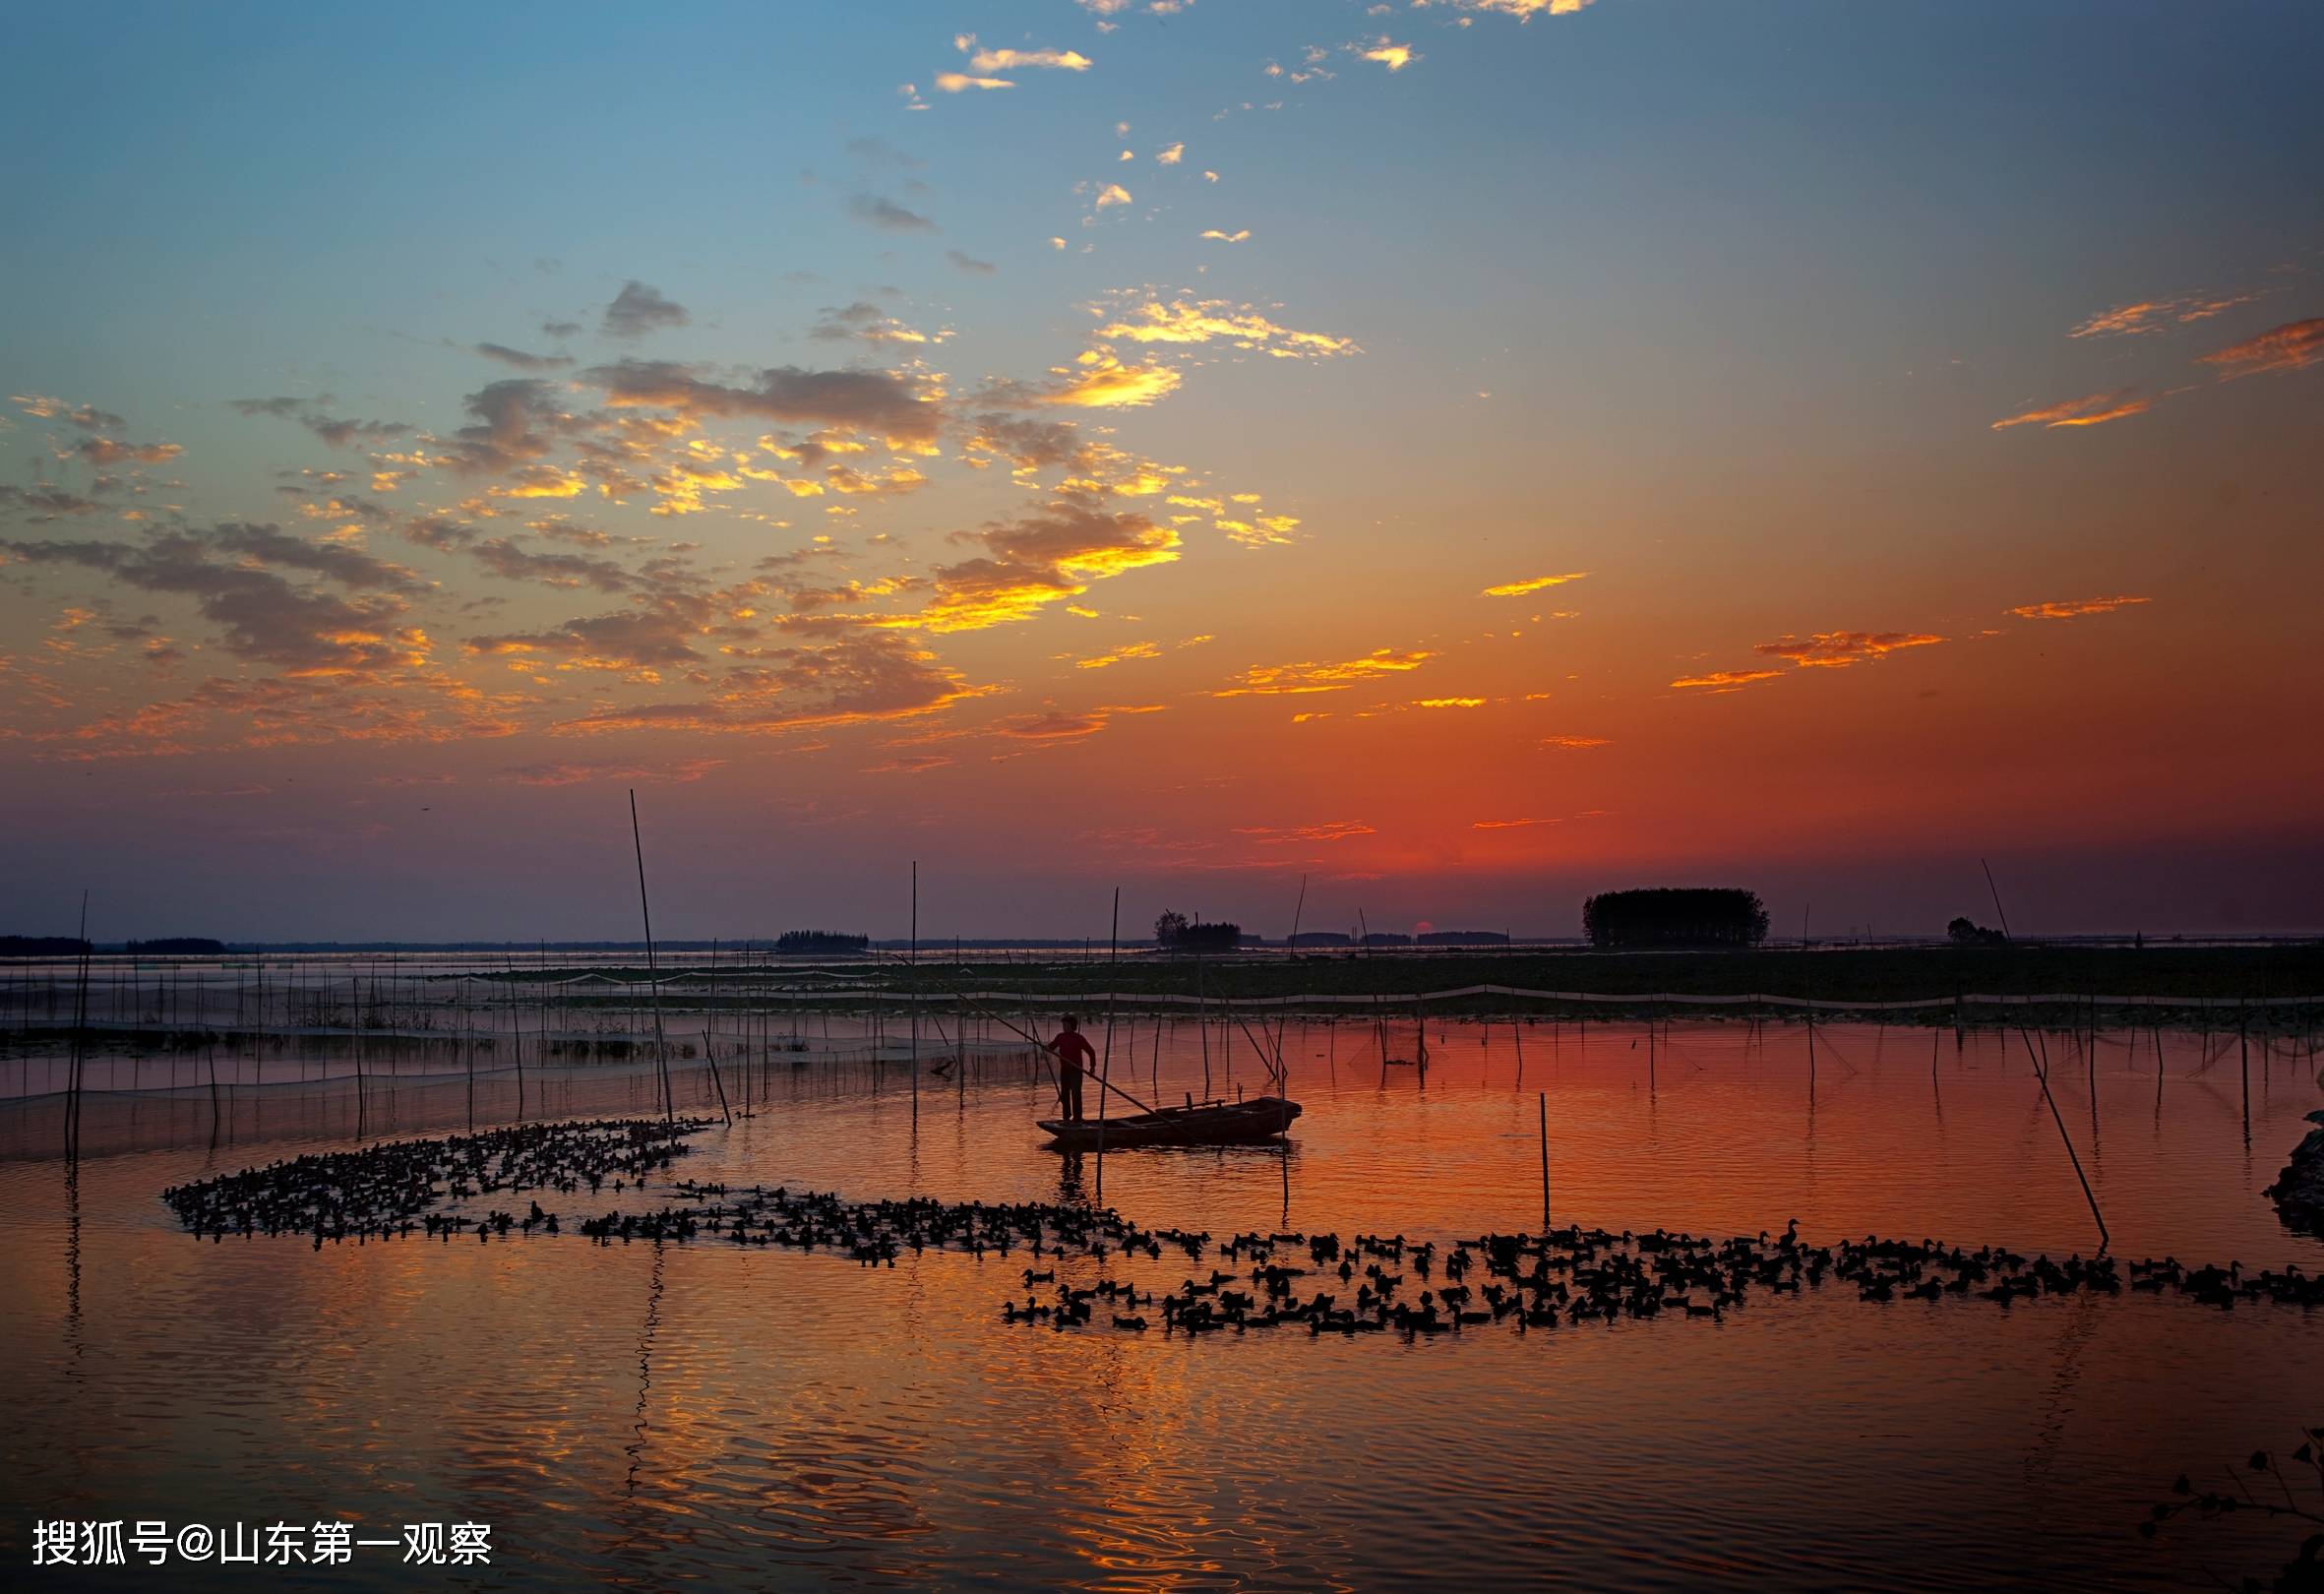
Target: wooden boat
x,y
1218,1123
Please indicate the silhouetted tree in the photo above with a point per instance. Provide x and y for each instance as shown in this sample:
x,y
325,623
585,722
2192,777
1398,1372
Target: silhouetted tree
x,y
1174,932
43,946
819,940
1675,916
1967,931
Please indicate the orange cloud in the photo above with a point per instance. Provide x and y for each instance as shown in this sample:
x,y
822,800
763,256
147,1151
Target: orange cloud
x,y
1578,743
2091,409
1837,650
2292,347
2150,315
2074,607
1271,835
1279,680
1129,650
1725,680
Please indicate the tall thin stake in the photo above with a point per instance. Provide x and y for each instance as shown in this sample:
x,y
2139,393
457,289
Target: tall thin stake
x,y
2042,1074
661,1045
1545,1162
1105,1068
914,965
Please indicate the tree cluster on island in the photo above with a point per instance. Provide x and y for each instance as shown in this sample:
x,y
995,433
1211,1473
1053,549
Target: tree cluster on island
x,y
1174,932
1672,916
819,942
1967,931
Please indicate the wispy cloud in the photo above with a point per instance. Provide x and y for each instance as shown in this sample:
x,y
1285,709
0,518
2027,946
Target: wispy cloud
x,y
2091,409
1837,650
1533,585
1009,60
885,214
2074,608
557,773
1286,680
1218,321
2292,347
2149,316
1724,680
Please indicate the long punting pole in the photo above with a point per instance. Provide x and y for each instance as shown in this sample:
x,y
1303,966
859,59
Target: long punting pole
x,y
661,1046
1105,1068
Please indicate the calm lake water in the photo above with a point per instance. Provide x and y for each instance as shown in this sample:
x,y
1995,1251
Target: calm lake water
x,y
665,1415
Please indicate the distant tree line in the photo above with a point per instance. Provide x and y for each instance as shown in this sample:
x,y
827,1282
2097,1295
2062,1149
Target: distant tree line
x,y
42,946
1174,932
175,946
820,941
1675,916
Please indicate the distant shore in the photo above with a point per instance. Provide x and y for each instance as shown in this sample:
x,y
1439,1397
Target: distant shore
x,y
2276,988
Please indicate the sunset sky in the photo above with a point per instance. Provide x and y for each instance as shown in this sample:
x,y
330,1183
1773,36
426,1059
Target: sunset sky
x,y
1468,453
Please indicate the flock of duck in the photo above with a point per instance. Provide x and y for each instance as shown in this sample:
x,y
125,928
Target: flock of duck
x,y
1379,1284
376,1193
1369,1284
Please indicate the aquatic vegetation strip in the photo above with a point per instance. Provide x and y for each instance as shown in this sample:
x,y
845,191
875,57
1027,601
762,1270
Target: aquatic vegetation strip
x,y
1367,1284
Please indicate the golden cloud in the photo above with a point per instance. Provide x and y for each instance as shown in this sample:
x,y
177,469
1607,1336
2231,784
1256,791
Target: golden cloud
x,y
1286,680
1535,584
1105,383
1206,321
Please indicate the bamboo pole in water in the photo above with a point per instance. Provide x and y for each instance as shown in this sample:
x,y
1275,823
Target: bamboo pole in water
x,y
661,1047
915,969
1105,1071
80,1026
1545,1162
2043,1073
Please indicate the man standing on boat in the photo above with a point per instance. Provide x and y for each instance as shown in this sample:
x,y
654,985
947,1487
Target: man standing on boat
x,y
1073,1052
